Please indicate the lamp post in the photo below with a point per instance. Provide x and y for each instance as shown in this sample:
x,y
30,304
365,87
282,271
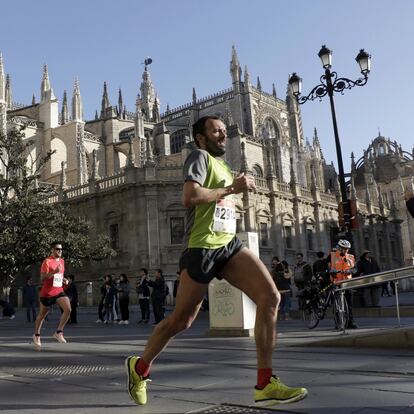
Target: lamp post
x,y
330,83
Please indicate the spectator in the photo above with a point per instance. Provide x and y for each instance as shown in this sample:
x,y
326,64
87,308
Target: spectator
x,y
101,306
367,265
176,283
109,303
158,295
320,269
143,293
30,299
72,292
283,277
8,310
302,275
123,292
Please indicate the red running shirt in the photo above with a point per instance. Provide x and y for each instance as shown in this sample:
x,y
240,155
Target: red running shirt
x,y
53,285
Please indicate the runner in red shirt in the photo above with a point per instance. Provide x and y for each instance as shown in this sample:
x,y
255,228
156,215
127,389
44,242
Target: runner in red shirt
x,y
52,278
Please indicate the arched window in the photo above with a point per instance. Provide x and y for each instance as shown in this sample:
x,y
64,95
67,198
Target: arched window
x,y
270,130
257,171
177,140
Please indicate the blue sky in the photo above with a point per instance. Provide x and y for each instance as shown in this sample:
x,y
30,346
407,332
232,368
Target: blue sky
x,y
190,44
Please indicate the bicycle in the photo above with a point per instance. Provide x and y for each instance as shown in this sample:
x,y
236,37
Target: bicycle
x,y
316,301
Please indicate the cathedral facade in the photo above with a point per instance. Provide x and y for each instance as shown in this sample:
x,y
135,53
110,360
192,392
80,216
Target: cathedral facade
x,y
122,171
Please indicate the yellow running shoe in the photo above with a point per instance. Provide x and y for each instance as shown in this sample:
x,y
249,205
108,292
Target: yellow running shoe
x,y
278,393
137,385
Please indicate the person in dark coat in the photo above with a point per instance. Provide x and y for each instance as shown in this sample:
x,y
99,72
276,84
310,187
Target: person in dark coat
x,y
282,277
109,302
158,295
30,299
367,265
143,292
101,305
176,283
302,276
72,292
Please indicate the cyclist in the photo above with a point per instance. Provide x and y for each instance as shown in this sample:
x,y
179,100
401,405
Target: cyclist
x,y
342,265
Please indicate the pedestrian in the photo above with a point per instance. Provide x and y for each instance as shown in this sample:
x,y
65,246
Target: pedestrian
x,y
109,303
72,292
143,292
8,311
212,249
123,292
158,296
302,276
101,305
342,266
367,265
282,276
30,299
52,278
116,307
176,284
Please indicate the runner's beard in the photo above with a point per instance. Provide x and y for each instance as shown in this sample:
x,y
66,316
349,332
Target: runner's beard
x,y
214,149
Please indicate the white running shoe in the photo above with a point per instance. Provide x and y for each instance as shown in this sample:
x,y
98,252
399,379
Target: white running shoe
x,y
59,337
36,341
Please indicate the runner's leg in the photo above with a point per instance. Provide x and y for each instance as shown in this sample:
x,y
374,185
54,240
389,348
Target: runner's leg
x,y
189,298
248,273
64,304
40,318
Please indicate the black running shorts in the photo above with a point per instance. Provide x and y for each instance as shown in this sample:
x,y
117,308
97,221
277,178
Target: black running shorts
x,y
205,264
49,301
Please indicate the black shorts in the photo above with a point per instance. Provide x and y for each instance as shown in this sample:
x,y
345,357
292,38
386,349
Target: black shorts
x,y
205,264
49,301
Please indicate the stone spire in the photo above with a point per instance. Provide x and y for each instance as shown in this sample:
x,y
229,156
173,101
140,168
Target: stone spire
x,y
235,70
131,155
314,182
194,96
139,119
147,95
353,165
274,91
33,99
120,103
64,114
46,92
156,111
77,107
259,85
8,93
105,101
2,81
368,200
246,79
380,199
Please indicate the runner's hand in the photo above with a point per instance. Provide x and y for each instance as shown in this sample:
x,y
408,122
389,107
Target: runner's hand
x,y
243,183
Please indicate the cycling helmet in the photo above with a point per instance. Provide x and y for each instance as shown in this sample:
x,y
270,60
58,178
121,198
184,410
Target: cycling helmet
x,y
344,244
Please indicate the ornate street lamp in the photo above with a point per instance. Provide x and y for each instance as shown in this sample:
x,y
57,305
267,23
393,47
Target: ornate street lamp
x,y
330,83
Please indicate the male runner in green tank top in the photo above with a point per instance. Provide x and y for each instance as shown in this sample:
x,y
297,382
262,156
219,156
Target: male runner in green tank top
x,y
213,250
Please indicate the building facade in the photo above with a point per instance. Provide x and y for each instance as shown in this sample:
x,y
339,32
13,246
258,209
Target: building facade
x,y
122,171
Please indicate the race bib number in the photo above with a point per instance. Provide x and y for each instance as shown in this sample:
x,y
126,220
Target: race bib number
x,y
225,217
58,280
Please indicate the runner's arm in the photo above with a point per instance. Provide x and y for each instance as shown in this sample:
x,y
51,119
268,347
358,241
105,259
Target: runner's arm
x,y
195,194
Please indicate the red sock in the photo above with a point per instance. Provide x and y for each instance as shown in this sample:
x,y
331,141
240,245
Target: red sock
x,y
142,368
263,377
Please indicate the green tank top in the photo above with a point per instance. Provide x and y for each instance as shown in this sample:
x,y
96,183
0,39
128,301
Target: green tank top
x,y
211,225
